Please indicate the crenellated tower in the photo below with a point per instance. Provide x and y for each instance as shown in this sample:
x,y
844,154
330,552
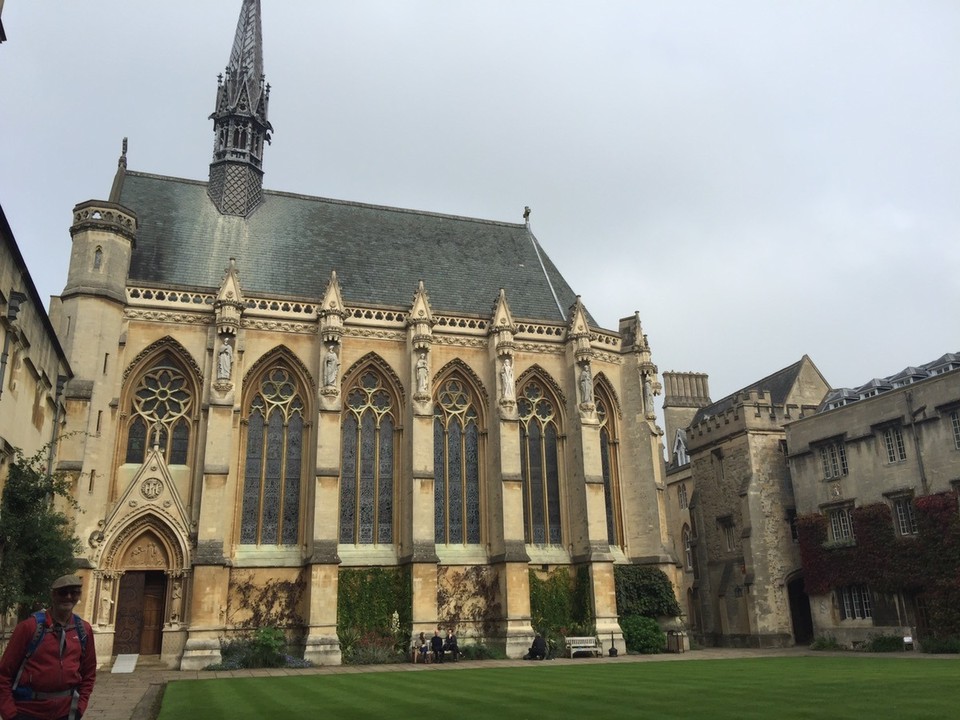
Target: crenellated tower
x,y
240,124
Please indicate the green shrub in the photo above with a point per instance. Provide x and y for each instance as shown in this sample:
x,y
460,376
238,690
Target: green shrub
x,y
480,651
884,643
263,649
373,648
941,645
642,635
826,642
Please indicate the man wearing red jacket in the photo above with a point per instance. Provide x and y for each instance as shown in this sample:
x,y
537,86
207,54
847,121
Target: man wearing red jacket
x,y
55,682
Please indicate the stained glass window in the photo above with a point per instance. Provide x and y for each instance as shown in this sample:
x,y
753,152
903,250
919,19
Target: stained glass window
x,y
273,464
539,465
456,465
368,462
609,466
161,402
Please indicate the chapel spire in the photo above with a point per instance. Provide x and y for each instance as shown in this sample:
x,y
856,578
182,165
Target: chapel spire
x,y
240,122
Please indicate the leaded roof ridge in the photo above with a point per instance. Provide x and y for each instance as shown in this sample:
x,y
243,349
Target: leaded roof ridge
x,y
335,201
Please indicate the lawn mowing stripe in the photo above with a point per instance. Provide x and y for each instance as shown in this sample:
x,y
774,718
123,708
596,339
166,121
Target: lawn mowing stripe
x,y
744,689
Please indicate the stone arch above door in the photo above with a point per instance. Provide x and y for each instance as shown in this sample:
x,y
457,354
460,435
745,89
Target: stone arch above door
x,y
145,543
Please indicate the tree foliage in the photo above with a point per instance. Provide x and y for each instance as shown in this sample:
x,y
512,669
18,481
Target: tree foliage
x,y
37,542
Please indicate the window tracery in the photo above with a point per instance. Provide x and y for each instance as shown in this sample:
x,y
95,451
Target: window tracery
x,y
610,467
161,413
457,464
368,460
539,464
273,464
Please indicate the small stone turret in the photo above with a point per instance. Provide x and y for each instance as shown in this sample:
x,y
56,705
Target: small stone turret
x,y
104,235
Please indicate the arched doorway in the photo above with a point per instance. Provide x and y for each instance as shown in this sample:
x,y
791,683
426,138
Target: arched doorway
x,y
800,611
142,595
140,606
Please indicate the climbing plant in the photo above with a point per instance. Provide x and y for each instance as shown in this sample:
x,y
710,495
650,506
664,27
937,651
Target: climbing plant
x,y
644,591
927,564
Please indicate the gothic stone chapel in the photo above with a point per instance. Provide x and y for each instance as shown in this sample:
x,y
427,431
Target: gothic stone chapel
x,y
272,389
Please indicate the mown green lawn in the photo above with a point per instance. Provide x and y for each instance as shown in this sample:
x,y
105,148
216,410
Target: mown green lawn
x,y
769,688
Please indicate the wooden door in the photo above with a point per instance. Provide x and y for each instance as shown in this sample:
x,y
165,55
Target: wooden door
x,y
126,640
140,613
153,591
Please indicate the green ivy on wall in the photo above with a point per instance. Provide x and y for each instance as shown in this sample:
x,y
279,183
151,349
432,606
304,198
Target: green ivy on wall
x,y
644,591
560,604
367,598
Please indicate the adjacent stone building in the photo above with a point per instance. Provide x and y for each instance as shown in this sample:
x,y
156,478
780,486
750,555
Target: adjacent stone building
x,y
33,366
889,442
749,581
272,387
683,395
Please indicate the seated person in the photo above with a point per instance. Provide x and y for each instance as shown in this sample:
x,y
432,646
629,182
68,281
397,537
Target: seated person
x,y
436,644
421,648
538,651
450,645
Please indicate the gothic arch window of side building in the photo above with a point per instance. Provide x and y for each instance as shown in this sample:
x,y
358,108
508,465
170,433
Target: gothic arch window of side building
x,y
540,455
458,462
369,459
609,443
161,409
275,433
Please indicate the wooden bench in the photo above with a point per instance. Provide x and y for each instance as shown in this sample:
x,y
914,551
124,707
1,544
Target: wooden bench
x,y
583,644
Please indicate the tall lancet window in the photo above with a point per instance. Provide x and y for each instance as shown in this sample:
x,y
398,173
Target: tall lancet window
x,y
368,462
456,464
610,466
161,410
273,460
540,464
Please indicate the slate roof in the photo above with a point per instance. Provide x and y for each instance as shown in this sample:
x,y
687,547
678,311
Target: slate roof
x,y
289,245
778,385
844,396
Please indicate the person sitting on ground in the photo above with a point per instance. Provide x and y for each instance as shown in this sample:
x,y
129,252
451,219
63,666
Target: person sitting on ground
x,y
450,645
436,644
538,651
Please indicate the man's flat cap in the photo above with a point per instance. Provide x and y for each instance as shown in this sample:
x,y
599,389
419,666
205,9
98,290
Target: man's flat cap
x,y
66,581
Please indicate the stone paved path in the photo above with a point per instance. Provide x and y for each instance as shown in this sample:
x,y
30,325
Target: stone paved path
x,y
136,696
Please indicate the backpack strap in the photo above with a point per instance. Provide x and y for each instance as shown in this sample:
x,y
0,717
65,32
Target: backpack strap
x,y
82,635
41,619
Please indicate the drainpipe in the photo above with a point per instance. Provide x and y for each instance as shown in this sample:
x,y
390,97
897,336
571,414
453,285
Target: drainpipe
x,y
916,440
13,309
51,452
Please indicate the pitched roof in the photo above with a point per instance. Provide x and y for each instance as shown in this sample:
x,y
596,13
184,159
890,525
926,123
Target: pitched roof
x,y
778,385
291,243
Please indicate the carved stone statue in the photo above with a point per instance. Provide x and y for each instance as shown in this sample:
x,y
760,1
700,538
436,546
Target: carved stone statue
x,y
586,384
648,395
506,379
225,360
331,367
422,374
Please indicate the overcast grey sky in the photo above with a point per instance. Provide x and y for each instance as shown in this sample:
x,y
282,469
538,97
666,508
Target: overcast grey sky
x,y
759,179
